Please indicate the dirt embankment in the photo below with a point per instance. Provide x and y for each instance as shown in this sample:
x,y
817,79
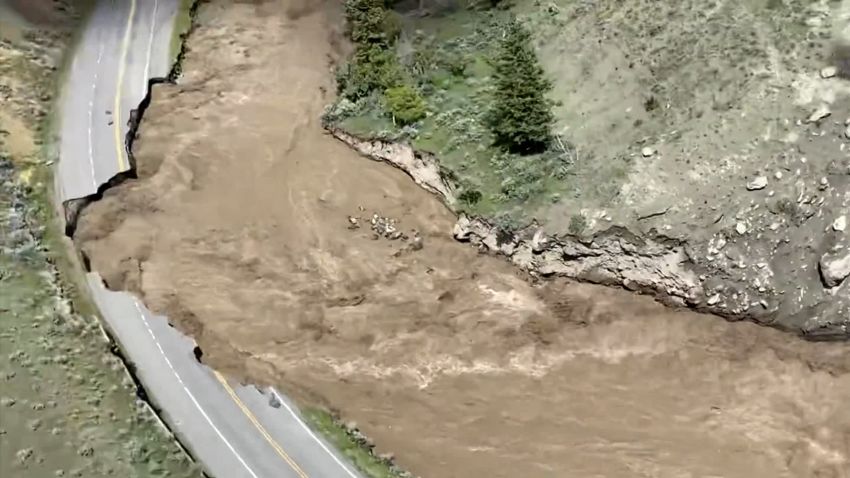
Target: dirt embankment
x,y
278,249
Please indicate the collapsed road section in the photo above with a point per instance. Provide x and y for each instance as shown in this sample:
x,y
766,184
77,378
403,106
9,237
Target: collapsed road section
x,y
233,430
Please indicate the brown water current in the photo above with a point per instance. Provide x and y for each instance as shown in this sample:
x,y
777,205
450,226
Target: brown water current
x,y
238,228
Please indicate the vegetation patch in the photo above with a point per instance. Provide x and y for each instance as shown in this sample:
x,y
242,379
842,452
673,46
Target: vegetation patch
x,y
465,85
182,24
354,445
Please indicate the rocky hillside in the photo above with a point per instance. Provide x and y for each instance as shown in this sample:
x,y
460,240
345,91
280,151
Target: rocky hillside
x,y
701,148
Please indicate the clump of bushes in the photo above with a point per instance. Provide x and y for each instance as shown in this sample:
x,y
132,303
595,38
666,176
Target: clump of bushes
x,y
374,68
405,104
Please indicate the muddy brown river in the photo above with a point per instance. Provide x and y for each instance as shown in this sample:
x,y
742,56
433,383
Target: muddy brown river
x,y
238,228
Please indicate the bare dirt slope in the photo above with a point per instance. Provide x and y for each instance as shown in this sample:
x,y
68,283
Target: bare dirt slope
x,y
720,124
239,229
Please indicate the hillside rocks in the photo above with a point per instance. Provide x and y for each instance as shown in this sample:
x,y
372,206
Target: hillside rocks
x,y
739,274
650,263
759,182
614,257
835,266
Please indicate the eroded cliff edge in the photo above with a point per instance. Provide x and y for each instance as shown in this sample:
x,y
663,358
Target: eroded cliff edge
x,y
731,273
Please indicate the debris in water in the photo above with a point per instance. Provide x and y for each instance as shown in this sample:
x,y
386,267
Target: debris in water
x,y
386,227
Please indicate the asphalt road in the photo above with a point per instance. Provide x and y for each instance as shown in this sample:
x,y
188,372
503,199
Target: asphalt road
x,y
232,430
124,44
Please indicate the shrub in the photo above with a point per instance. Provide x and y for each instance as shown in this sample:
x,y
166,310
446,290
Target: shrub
x,y
374,65
578,223
521,116
405,104
470,197
371,69
454,63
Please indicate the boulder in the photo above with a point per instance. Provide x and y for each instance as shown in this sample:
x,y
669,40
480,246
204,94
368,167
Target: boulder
x,y
759,182
835,267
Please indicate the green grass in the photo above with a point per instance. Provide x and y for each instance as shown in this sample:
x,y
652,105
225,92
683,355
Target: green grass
x,y
69,392
507,187
362,458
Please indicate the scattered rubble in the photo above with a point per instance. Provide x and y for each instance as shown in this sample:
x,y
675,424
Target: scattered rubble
x,y
386,227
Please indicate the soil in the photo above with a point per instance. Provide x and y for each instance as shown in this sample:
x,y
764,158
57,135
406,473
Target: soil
x,y
255,232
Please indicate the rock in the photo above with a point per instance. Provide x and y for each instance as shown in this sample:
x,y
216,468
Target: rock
x,y
778,175
538,242
461,229
713,300
631,285
840,223
759,182
834,267
819,114
23,455
741,228
647,151
417,243
274,402
828,72
847,132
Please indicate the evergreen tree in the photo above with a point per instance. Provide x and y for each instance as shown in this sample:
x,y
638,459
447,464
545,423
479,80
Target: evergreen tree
x,y
371,22
521,115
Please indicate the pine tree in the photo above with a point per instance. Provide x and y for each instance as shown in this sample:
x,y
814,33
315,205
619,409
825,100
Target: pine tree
x,y
521,116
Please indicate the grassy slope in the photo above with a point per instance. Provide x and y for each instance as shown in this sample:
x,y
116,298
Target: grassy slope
x,y
496,184
66,400
626,73
356,452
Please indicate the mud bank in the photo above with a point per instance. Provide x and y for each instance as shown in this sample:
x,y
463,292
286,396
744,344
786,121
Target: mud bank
x,y
647,263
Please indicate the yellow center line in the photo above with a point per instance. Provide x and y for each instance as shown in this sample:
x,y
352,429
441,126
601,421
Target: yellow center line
x,y
259,427
122,66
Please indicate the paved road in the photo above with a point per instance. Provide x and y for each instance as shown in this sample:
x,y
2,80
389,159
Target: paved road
x,y
125,43
232,430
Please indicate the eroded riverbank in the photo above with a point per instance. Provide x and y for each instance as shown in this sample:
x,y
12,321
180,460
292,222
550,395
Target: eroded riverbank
x,y
272,244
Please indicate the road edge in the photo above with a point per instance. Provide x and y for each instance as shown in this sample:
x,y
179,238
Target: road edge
x,y
67,213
